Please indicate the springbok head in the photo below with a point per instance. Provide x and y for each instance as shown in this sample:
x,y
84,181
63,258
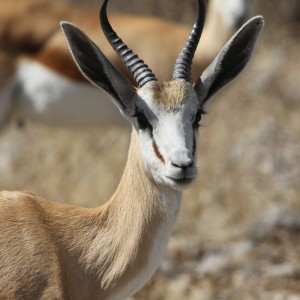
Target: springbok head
x,y
166,115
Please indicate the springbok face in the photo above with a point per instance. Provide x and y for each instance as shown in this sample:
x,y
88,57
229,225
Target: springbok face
x,y
165,115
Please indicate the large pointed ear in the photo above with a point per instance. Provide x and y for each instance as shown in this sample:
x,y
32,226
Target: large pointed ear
x,y
230,61
96,68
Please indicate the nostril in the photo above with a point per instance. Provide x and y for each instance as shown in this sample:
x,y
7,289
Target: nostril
x,y
183,165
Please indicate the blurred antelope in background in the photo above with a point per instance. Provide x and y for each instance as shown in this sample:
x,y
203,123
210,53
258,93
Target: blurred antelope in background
x,y
56,251
46,87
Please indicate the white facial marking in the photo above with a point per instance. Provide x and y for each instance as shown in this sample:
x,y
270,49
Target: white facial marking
x,y
168,146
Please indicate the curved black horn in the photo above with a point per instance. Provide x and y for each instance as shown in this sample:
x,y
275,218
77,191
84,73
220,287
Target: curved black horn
x,y
182,68
140,71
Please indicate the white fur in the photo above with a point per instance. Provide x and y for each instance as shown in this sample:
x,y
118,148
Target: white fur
x,y
173,134
49,98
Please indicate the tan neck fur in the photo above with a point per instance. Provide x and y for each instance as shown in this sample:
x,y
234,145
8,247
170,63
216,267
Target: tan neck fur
x,y
117,250
91,253
137,204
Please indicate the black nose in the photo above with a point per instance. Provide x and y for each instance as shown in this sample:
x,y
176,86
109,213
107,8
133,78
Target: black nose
x,y
181,158
182,165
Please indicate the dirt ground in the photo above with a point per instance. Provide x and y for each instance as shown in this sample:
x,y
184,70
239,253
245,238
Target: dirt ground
x,y
238,233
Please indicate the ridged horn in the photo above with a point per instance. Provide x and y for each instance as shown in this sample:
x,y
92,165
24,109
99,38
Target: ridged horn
x,y
182,68
140,71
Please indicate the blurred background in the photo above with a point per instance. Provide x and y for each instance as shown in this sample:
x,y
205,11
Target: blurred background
x,y
238,233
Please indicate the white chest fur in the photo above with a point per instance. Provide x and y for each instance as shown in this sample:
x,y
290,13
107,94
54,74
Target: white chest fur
x,y
172,202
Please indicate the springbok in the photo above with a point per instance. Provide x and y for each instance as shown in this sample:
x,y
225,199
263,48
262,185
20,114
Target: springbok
x,y
55,251
46,87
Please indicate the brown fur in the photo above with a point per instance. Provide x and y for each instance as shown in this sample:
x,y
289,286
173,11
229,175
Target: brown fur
x,y
170,94
157,152
50,250
63,63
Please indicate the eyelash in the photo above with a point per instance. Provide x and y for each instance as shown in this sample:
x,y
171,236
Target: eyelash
x,y
196,122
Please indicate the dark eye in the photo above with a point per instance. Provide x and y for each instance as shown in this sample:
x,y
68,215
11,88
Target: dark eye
x,y
143,121
196,122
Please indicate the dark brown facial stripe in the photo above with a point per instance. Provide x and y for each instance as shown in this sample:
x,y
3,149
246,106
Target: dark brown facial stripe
x,y
157,152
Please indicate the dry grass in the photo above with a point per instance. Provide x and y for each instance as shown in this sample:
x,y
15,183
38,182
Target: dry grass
x,y
238,234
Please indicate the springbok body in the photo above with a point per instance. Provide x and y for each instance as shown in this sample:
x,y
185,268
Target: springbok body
x,y
54,251
45,85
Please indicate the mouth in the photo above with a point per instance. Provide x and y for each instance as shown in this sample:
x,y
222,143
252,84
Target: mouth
x,y
181,181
